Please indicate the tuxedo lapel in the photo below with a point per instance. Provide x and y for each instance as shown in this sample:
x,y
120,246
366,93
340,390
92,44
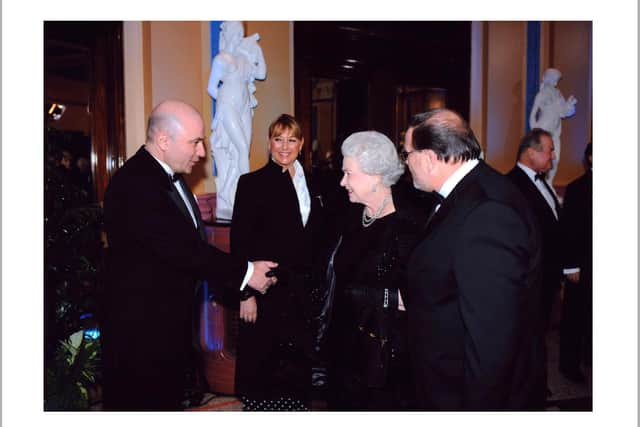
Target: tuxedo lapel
x,y
153,169
428,225
194,207
451,200
533,191
553,195
179,202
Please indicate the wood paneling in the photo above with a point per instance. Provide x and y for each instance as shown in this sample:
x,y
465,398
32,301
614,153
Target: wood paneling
x,y
96,66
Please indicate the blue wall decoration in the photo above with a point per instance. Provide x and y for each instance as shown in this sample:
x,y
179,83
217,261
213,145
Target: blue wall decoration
x,y
533,68
214,31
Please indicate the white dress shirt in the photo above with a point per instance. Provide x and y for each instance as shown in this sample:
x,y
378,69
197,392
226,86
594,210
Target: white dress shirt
x,y
300,184
176,184
453,180
302,192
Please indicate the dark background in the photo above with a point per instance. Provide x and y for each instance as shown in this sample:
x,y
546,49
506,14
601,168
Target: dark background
x,y
395,68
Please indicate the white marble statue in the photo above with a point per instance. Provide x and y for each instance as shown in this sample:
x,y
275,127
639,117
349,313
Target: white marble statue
x,y
549,108
239,62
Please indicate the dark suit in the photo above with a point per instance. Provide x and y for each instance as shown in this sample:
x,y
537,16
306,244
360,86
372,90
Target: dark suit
x,y
472,303
156,256
274,352
576,225
551,240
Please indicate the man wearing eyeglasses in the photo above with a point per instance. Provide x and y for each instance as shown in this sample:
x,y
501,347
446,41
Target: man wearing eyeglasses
x,y
157,254
473,278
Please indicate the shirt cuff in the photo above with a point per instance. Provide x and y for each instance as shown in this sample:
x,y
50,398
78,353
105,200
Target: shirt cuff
x,y
570,270
247,275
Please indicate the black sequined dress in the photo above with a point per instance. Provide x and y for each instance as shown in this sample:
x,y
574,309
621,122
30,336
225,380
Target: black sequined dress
x,y
367,339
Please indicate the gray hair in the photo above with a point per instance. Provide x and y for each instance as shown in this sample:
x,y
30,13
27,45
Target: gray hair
x,y
375,154
162,122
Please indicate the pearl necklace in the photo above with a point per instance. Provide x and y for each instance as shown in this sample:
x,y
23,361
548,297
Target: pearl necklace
x,y
368,220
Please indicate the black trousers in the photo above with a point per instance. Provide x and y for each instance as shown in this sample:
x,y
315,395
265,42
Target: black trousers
x,y
142,380
139,387
576,326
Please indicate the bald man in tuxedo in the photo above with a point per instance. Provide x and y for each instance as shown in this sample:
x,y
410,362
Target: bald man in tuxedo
x,y
157,256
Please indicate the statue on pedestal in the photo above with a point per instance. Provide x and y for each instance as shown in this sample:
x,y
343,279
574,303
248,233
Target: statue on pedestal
x,y
231,83
549,108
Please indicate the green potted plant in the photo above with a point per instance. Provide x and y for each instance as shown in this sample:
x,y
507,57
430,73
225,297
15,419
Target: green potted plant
x,y
73,255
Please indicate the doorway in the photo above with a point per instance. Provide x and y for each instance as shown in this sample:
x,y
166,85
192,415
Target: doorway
x,y
84,145
83,100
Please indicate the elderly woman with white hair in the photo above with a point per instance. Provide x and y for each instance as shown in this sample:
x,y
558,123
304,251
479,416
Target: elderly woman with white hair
x,y
365,317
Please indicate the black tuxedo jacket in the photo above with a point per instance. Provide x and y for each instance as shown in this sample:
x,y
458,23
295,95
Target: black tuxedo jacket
x,y
473,293
155,258
549,228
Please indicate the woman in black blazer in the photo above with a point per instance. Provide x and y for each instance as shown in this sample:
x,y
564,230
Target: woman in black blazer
x,y
273,214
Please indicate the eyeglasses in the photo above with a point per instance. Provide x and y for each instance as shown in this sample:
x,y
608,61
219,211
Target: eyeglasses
x,y
404,155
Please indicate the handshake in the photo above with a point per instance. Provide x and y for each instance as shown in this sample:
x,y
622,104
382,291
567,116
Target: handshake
x,y
263,276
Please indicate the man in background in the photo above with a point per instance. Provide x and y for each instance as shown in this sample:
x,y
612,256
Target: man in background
x,y
535,158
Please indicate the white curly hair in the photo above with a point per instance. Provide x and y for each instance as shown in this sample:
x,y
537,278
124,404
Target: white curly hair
x,y
375,154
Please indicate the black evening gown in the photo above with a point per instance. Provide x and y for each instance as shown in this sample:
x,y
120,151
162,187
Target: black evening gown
x,y
367,340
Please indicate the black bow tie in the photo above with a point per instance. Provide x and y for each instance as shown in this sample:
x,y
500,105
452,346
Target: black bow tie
x,y
439,198
539,176
175,177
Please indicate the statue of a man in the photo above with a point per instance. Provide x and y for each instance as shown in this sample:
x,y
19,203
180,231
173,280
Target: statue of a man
x,y
239,62
549,108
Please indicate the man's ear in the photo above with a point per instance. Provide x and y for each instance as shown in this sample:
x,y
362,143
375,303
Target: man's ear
x,y
162,141
528,155
431,160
